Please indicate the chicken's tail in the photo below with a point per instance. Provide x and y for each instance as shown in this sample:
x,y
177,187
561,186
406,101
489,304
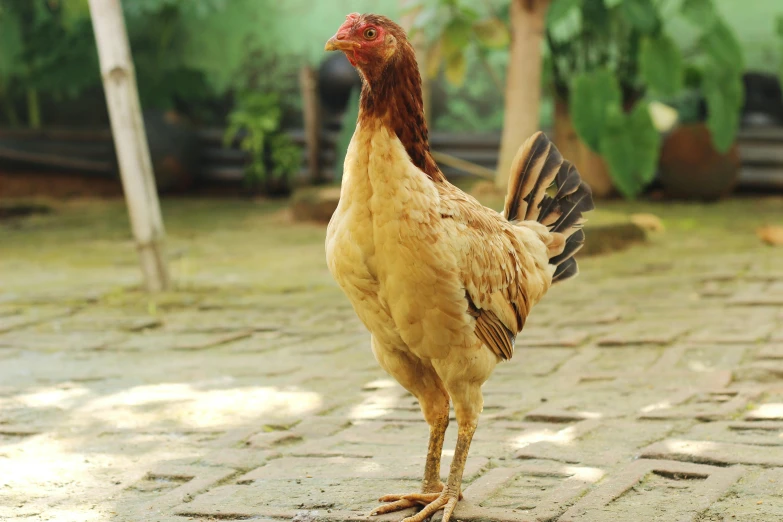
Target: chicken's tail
x,y
537,166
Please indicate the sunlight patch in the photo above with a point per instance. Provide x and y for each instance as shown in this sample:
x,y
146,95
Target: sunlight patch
x,y
561,437
51,397
376,405
160,404
591,475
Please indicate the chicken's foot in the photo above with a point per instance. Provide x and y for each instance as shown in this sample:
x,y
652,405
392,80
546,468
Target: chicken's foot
x,y
431,486
448,497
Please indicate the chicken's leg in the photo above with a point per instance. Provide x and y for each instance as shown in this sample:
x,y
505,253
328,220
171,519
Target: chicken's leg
x,y
431,485
447,499
422,381
468,403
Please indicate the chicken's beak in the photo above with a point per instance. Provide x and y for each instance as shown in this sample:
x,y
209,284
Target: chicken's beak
x,y
339,42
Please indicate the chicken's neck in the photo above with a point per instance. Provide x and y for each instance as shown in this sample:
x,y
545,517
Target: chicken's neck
x,y
394,97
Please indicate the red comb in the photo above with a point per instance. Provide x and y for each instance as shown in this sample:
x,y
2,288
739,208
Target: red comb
x,y
350,21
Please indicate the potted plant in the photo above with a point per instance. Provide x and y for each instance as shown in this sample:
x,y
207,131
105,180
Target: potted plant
x,y
272,157
611,58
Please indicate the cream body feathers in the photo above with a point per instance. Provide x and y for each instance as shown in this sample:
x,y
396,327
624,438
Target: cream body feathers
x,y
413,255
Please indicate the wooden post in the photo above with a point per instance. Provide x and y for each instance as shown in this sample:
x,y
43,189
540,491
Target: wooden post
x,y
308,84
130,139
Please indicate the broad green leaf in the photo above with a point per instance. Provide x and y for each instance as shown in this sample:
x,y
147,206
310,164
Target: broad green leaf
x,y
471,15
11,46
74,11
456,36
492,33
700,13
596,15
725,94
642,14
567,27
722,46
612,3
456,65
558,10
630,145
779,28
660,64
590,98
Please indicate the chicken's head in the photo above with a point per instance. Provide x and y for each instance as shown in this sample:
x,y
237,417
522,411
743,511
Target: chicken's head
x,y
369,41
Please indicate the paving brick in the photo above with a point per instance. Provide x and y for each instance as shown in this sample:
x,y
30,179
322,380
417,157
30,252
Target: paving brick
x,y
655,491
704,406
714,453
557,338
758,433
731,334
92,320
251,391
178,484
768,411
762,371
184,341
70,342
761,298
599,444
757,497
31,317
284,498
640,334
395,468
534,490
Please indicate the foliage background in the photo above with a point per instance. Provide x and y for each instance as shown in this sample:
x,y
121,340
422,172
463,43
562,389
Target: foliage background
x,y
193,55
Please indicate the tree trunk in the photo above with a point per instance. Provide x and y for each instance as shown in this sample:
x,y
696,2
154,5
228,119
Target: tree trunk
x,y
419,42
130,140
523,82
308,83
591,166
33,108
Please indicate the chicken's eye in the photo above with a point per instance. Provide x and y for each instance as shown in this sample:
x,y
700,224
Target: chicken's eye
x,y
370,33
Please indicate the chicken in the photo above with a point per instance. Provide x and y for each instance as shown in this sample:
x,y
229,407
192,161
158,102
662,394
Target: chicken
x,y
442,283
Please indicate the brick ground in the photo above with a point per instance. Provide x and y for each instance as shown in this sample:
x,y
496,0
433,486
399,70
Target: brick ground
x,y
648,389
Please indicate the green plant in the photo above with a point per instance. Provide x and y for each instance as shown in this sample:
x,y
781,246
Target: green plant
x,y
451,27
476,105
272,155
46,49
779,32
609,58
48,56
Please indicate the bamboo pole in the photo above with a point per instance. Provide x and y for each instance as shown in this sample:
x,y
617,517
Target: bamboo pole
x,y
130,140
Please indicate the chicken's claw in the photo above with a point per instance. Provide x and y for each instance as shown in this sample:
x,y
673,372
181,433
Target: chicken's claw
x,y
396,503
446,501
432,502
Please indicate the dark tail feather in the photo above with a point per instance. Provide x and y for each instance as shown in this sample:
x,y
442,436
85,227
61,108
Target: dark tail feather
x,y
566,270
572,245
536,166
534,169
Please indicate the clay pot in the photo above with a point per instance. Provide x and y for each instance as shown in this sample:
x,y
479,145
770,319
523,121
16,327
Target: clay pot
x,y
336,79
174,150
691,168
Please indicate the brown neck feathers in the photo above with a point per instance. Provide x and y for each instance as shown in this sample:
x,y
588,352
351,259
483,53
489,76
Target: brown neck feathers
x,y
393,95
